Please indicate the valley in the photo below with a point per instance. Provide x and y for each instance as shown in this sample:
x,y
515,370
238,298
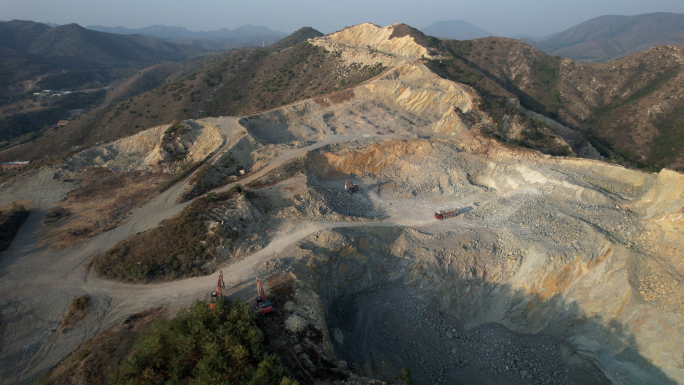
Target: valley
x,y
558,269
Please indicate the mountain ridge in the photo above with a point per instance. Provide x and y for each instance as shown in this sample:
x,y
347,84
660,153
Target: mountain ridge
x,y
217,40
613,36
175,32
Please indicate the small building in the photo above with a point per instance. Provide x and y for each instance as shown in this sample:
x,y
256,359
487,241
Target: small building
x,y
9,166
63,122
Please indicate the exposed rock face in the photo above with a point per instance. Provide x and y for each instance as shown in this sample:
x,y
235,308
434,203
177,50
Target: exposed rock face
x,y
373,37
146,150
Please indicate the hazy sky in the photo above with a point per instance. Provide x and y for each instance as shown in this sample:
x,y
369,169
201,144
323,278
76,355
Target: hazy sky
x,y
501,17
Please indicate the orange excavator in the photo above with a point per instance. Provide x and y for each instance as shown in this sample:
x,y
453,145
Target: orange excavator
x,y
351,187
215,295
263,304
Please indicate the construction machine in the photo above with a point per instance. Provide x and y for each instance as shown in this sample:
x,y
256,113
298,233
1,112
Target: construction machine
x,y
444,214
351,187
262,303
215,295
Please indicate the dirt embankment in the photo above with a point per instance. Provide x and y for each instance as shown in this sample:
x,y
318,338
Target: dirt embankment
x,y
369,160
115,178
11,218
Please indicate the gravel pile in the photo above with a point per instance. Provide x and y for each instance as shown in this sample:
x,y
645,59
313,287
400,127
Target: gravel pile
x,y
343,202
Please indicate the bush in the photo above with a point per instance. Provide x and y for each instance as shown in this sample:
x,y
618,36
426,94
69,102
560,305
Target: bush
x,y
175,130
405,376
203,346
237,188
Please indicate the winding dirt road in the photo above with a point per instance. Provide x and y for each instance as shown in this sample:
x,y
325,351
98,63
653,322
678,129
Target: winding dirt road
x,y
38,283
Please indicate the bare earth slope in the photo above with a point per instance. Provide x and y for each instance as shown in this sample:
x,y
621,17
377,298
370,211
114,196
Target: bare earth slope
x,y
557,270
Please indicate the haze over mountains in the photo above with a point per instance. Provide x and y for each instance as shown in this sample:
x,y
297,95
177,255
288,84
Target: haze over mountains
x,y
37,46
609,37
35,56
218,40
455,29
597,40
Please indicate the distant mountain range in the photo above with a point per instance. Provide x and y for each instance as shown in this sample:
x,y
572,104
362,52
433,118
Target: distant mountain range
x,y
34,56
455,29
219,40
73,46
597,40
609,37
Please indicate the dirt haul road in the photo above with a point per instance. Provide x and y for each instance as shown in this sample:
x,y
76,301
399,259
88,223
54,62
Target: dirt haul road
x,y
50,279
560,249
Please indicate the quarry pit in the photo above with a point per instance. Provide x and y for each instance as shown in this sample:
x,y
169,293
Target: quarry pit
x,y
557,269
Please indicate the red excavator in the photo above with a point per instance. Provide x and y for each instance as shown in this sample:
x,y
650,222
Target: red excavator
x,y
263,304
215,295
351,187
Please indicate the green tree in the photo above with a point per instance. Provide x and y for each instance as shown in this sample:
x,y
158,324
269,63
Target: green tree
x,y
203,345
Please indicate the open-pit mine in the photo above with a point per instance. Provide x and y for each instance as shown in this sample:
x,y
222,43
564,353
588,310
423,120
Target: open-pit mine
x,y
556,269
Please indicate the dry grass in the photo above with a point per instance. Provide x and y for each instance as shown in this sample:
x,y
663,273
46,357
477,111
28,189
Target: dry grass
x,y
76,312
178,247
102,202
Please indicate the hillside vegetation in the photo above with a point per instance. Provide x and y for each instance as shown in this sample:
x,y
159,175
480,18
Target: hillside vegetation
x,y
298,36
203,346
34,57
240,82
32,49
629,109
199,345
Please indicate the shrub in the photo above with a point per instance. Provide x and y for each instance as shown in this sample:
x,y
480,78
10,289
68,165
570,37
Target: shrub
x,y
176,129
405,376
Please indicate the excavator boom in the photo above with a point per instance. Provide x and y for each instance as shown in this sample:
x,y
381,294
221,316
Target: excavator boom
x,y
220,285
263,304
260,289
